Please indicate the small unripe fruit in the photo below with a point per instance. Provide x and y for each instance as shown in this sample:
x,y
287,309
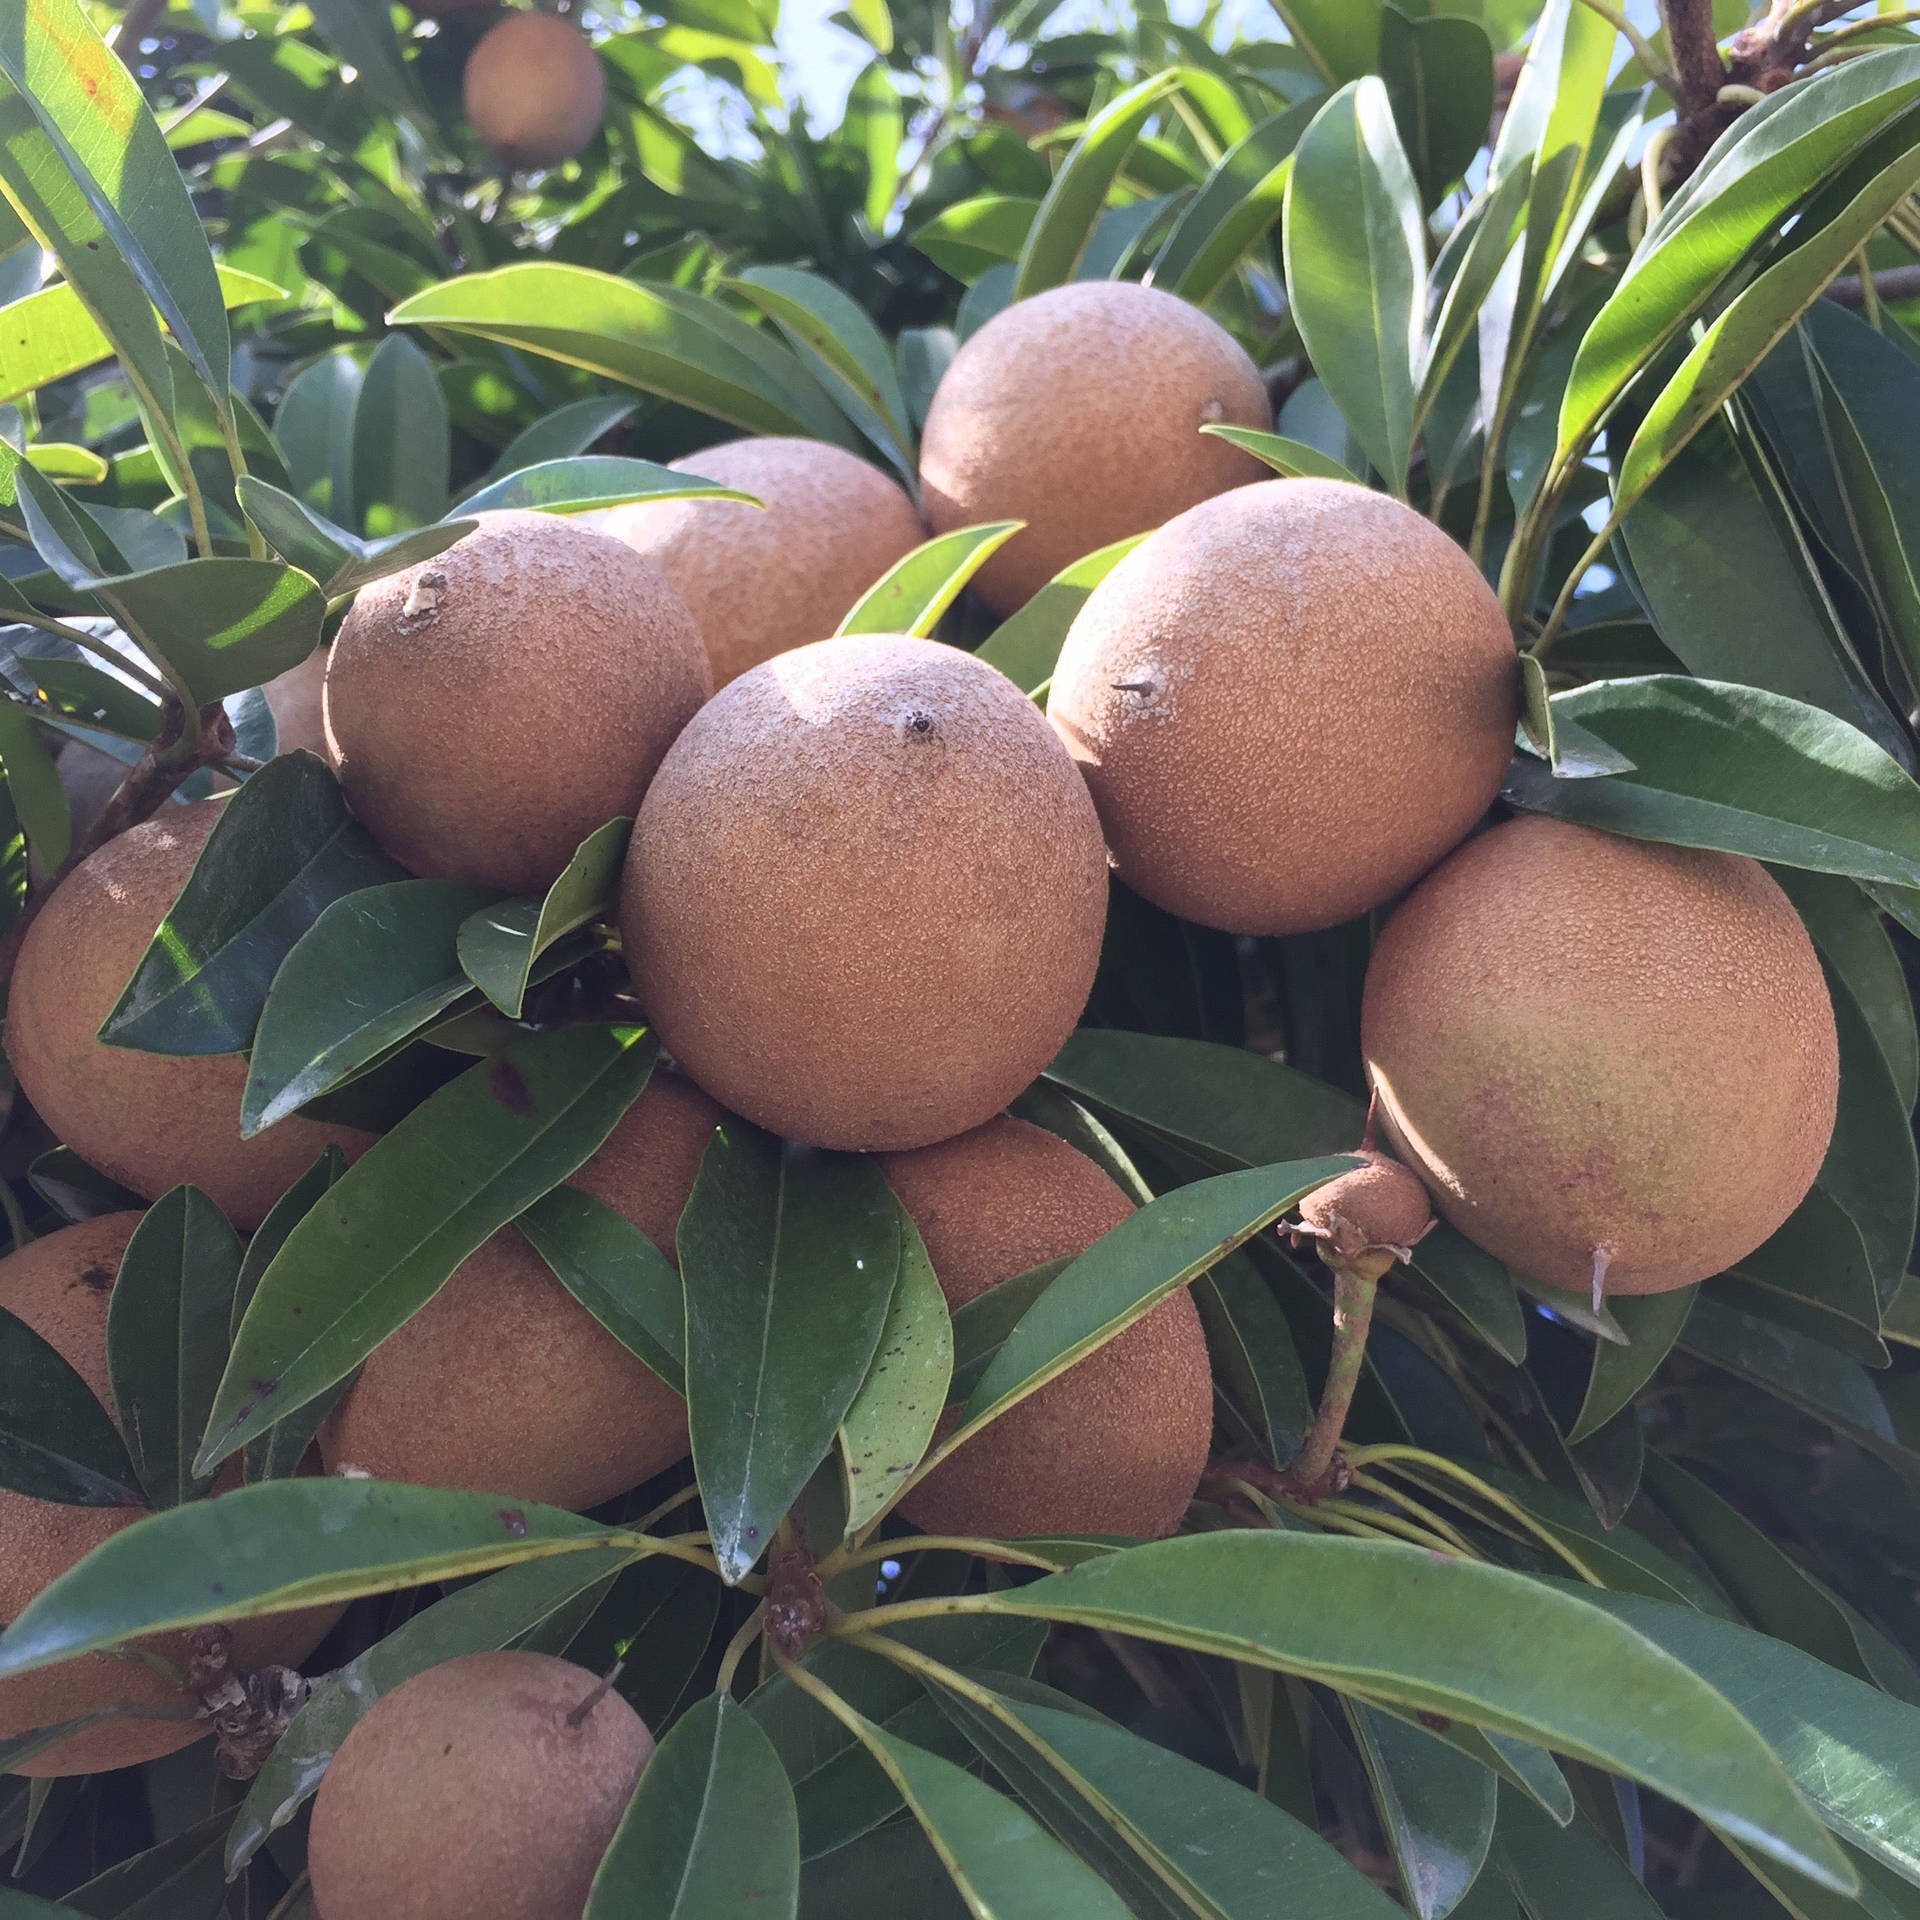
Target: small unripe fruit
x,y
489,1785
535,90
1367,1219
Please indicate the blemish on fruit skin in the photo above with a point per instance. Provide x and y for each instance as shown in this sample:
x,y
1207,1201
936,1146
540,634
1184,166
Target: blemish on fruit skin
x,y
513,1520
97,1279
508,1085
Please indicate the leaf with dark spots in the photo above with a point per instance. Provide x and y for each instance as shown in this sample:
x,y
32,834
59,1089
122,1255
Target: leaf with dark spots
x,y
507,1085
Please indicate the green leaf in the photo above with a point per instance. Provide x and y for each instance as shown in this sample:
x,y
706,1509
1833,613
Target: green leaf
x,y
914,592
1567,1873
652,337
1718,765
1255,1365
876,125
342,562
970,238
1356,260
1653,1322
56,1440
1477,1286
362,35
402,441
39,800
1340,37
1237,203
1436,1806
617,1274
711,1832
564,434
1458,1638
167,1327
1802,1372
1439,75
1025,646
594,481
891,1421
789,1256
370,972
1062,228
292,1543
283,850
422,1198
1291,459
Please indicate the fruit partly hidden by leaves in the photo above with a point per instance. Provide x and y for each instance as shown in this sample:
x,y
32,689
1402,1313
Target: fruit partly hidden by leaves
x,y
1368,1219
150,1121
487,709
296,701
489,1785
760,580
503,1383
535,91
1079,411
60,1286
1607,1058
1116,1444
1288,703
865,895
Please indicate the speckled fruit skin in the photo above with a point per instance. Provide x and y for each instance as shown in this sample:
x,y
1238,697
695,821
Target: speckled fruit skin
x,y
60,1286
534,90
763,579
1381,1204
489,708
1288,703
1079,411
1582,1041
503,1382
1118,1443
865,895
465,1792
149,1120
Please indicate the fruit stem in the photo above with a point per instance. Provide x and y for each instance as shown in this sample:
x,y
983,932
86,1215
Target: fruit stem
x,y
1353,1296
578,1717
737,1648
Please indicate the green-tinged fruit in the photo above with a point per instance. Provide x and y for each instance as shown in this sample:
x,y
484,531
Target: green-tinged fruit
x,y
1288,703
1079,411
489,1785
487,709
150,1121
1117,1444
535,91
60,1286
761,580
1609,1060
864,899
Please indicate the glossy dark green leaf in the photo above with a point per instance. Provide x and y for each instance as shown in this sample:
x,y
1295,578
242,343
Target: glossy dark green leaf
x,y
1340,37
75,1190
1253,1356
1653,1322
1026,644
1291,459
980,1328
1355,249
92,696
167,1328
712,1830
564,434
1567,1873
285,848
593,481
1457,1638
976,235
38,798
178,1879
1719,765
372,970
617,1274
1439,75
1797,1369
341,561
914,592
866,1876
789,1256
1477,1286
422,1198
1238,202
56,1440
401,441
1436,1807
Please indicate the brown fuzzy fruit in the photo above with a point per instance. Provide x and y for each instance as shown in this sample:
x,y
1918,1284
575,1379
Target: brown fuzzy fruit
x,y
476,1787
1375,1210
60,1287
1289,703
503,1383
148,1120
762,579
535,91
1079,411
1599,1051
1117,1444
864,899
489,708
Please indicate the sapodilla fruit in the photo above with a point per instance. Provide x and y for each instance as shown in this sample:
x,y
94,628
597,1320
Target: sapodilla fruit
x,y
1079,411
1608,1059
487,709
865,894
489,1785
1288,703
762,579
148,1120
1369,1217
1115,1445
60,1286
503,1383
534,90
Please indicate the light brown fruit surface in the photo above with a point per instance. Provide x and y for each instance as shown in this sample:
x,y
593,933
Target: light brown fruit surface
x,y
60,1286
148,1120
535,91
467,1791
1587,1044
1079,411
1288,703
489,708
1379,1206
503,1383
762,579
1117,1444
864,899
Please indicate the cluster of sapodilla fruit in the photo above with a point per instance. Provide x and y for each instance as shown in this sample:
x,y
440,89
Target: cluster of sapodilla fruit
x,y
863,906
